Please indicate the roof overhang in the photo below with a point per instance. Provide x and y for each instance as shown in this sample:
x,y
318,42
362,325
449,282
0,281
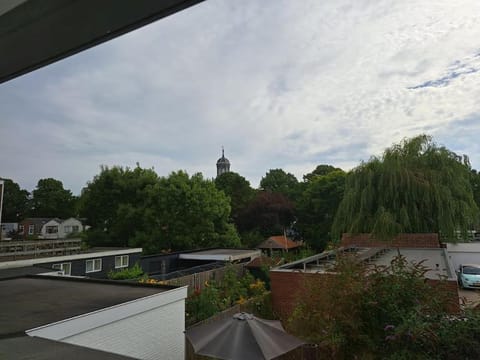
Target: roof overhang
x,y
37,33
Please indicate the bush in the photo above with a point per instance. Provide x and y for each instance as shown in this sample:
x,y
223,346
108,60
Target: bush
x,y
128,273
216,297
389,312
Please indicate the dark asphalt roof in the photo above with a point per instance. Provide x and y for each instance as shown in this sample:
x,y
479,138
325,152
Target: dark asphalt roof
x,y
22,271
35,348
34,301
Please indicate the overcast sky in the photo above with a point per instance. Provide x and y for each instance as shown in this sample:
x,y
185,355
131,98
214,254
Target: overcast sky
x,y
281,84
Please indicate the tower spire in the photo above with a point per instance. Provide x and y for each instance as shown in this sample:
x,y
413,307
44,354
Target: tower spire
x,y
223,165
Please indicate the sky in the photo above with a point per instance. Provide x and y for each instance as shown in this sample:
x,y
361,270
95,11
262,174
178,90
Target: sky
x,y
279,83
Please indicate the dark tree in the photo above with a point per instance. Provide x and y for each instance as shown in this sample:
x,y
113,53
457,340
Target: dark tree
x,y
238,189
278,181
15,202
269,213
318,205
50,199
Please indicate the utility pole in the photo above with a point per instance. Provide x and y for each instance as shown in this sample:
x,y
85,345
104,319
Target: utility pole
x,y
2,183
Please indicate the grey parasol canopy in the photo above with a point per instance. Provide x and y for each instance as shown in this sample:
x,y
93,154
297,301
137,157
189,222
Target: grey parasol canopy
x,y
242,336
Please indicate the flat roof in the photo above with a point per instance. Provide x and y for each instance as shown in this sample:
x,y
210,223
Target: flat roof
x,y
35,348
39,300
221,254
85,255
472,247
435,259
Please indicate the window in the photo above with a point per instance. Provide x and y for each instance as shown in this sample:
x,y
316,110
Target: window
x,y
71,229
65,267
51,229
21,229
31,229
121,261
93,265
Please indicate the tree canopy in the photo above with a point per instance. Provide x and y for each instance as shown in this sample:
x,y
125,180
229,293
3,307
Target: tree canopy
x,y
15,202
137,208
50,199
415,186
110,201
238,189
320,170
318,205
182,212
279,181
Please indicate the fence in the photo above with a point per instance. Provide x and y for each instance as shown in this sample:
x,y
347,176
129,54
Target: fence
x,y
197,281
38,248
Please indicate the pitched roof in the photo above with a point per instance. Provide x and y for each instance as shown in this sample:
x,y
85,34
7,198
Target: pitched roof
x,y
279,242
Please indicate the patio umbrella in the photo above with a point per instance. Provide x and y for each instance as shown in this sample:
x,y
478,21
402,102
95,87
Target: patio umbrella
x,y
242,336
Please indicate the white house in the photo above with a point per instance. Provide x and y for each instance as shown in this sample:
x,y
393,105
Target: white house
x,y
60,229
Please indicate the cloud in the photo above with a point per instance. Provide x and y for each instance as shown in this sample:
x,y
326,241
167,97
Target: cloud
x,y
287,84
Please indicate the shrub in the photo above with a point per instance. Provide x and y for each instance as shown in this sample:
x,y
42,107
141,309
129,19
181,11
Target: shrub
x,y
389,312
128,273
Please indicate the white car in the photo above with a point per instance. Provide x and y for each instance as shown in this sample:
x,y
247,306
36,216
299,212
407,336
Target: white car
x,y
469,276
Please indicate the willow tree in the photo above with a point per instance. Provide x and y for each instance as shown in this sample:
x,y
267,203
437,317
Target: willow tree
x,y
416,186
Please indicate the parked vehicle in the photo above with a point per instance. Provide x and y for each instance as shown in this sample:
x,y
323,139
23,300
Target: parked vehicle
x,y
469,276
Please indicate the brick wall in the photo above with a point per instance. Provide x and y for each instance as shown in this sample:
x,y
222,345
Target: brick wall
x,y
428,240
287,287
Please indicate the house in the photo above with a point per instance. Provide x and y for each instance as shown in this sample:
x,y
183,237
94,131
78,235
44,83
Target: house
x,y
45,317
31,227
60,229
287,280
279,243
95,263
7,229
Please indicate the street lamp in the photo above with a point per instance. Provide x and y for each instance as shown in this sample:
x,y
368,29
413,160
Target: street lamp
x,y
1,207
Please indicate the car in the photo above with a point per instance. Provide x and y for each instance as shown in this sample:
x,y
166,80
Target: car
x,y
469,276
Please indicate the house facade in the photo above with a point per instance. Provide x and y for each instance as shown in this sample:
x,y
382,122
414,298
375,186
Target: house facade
x,y
93,264
60,229
31,227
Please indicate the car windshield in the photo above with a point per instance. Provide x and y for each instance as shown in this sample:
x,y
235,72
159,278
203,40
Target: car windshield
x,y
471,270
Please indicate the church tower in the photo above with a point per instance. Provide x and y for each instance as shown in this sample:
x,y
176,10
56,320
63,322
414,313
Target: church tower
x,y
223,165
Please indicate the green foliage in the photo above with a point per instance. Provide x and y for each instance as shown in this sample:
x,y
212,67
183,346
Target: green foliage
x,y
278,181
128,273
15,202
388,312
303,253
137,208
318,204
238,189
182,212
50,199
216,297
320,170
111,203
416,186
